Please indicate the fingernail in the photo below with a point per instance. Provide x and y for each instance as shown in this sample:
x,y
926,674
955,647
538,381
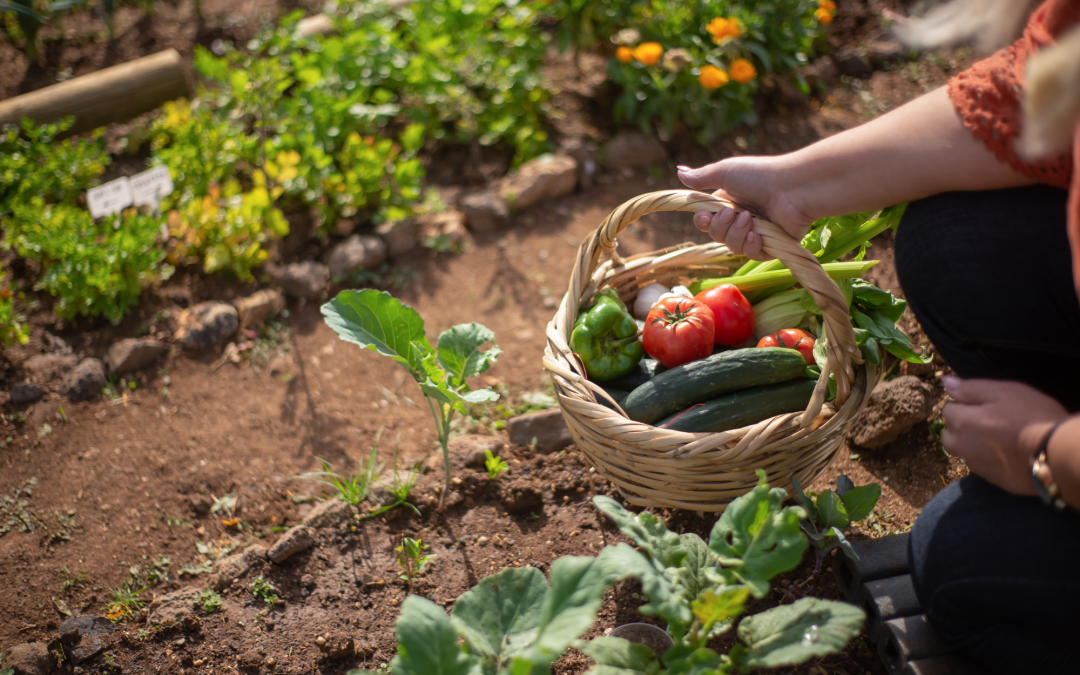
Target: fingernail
x,y
682,168
950,383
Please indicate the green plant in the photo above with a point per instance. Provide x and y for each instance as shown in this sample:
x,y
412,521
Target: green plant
x,y
263,589
72,580
516,622
12,323
5,671
210,601
829,512
125,603
412,559
494,465
376,320
352,489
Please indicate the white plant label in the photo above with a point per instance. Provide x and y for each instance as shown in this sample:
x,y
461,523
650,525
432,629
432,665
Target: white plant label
x,y
112,197
150,186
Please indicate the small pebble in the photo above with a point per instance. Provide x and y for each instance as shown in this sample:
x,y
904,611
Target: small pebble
x,y
270,661
320,640
197,662
482,541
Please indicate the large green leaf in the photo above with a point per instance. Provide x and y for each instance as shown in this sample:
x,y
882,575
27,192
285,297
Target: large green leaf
x,y
792,634
577,590
500,615
665,599
757,538
428,643
376,320
459,351
648,531
719,608
860,501
616,656
831,511
690,575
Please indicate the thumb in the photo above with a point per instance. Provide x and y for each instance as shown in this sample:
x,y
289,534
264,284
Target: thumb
x,y
708,177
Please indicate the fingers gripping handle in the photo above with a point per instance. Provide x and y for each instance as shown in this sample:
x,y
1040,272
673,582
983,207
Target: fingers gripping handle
x,y
842,348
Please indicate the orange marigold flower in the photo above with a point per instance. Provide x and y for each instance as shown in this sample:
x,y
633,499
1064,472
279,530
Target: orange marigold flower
x,y
648,53
724,29
824,16
712,77
624,54
827,4
742,71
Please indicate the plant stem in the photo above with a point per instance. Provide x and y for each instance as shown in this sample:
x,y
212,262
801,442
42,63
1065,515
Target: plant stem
x,y
443,415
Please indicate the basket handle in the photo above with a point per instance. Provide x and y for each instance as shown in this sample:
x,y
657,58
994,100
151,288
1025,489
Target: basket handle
x,y
842,348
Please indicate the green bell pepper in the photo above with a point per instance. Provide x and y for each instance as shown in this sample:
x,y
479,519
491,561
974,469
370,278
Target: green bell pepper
x,y
606,338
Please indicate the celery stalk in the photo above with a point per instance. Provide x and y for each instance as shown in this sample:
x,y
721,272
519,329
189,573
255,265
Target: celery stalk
x,y
783,278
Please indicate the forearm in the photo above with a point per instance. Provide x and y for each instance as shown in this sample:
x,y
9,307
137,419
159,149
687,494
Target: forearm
x,y
1063,456
917,150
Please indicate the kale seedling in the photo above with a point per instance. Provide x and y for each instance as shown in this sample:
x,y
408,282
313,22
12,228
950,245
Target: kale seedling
x,y
412,559
209,600
494,465
832,511
264,589
376,320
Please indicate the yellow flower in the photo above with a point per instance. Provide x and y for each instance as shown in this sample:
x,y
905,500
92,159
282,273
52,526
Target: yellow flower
x,y
712,77
824,16
624,54
742,71
648,53
724,29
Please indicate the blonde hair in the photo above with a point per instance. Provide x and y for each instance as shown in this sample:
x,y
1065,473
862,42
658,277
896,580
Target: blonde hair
x,y
985,24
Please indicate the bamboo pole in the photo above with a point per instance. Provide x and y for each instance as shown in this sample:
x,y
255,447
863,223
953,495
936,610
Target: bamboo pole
x,y
109,95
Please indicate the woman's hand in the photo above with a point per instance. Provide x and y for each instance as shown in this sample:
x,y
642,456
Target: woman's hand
x,y
752,182
996,426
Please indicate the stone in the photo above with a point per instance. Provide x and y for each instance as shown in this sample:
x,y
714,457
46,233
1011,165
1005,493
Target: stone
x,y
520,495
882,48
91,631
305,279
853,63
235,566
201,504
25,393
401,236
445,232
335,647
536,181
206,325
133,354
253,310
31,658
329,514
358,252
895,407
547,426
45,367
172,607
470,449
629,149
84,381
485,211
295,540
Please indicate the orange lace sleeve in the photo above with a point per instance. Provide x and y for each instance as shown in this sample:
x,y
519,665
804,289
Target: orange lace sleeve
x,y
988,95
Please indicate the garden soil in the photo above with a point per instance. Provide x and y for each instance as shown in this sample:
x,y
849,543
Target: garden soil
x,y
121,484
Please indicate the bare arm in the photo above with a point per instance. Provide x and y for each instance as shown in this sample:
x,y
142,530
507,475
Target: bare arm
x,y
917,150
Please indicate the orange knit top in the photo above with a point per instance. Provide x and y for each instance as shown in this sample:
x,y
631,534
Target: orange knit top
x,y
988,97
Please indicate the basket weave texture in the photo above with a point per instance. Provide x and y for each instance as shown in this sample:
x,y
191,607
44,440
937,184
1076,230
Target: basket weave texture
x,y
701,471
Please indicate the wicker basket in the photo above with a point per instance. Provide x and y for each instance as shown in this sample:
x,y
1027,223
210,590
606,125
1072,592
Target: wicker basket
x,y
701,471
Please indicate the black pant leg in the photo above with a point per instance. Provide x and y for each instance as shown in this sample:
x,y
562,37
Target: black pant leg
x,y
989,276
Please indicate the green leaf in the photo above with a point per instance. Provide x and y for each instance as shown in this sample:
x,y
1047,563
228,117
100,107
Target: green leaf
x,y
831,511
792,634
758,539
872,297
843,484
616,656
428,643
711,608
834,538
378,321
647,531
884,330
860,501
459,351
665,599
500,615
689,575
804,500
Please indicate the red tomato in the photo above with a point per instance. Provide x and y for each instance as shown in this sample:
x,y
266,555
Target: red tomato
x,y
678,331
732,312
792,338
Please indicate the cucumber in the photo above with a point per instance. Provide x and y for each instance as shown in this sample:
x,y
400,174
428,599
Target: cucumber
x,y
617,394
741,408
646,370
713,376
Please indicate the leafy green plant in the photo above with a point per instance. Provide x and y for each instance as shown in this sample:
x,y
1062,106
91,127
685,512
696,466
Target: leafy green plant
x,y
828,512
516,622
72,580
263,589
208,600
376,320
13,328
125,603
412,559
494,465
354,489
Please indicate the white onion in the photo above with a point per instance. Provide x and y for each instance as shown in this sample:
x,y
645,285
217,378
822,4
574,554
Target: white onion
x,y
646,298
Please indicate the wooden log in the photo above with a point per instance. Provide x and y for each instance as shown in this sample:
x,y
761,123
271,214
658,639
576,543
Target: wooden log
x,y
109,95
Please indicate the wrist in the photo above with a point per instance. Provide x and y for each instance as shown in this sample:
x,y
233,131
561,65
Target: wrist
x,y
1033,436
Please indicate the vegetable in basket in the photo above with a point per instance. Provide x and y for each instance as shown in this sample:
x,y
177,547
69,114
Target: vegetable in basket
x,y
732,314
679,330
792,338
605,337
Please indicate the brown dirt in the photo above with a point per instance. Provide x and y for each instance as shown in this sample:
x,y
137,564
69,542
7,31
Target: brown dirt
x,y
131,469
